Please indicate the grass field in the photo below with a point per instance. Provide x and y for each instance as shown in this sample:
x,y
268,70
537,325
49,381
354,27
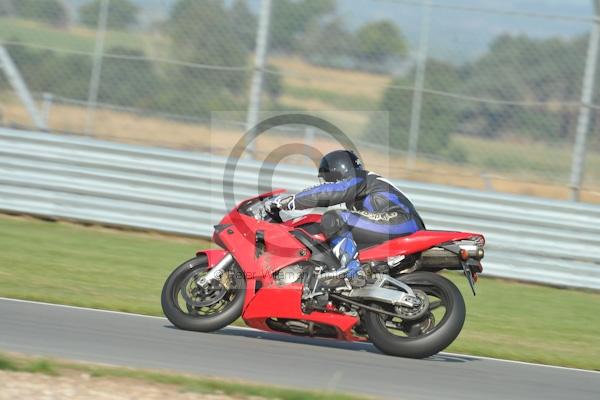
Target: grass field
x,y
75,38
118,270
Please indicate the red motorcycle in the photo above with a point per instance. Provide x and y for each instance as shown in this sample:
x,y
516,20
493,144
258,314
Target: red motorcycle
x,y
274,274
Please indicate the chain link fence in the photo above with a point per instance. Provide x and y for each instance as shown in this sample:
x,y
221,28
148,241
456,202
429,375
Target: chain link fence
x,y
475,94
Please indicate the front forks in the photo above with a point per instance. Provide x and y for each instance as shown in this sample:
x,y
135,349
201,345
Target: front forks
x,y
215,272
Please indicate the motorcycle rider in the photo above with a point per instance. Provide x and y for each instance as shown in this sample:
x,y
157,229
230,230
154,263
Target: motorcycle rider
x,y
376,210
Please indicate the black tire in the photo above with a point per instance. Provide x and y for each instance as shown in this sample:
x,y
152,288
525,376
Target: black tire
x,y
430,342
189,319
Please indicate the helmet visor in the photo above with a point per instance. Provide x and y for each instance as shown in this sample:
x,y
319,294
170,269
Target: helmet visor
x,y
325,177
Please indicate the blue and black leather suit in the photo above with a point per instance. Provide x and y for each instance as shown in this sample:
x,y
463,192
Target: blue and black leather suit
x,y
376,211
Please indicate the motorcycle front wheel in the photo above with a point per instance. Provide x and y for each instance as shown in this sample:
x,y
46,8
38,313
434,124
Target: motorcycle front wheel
x,y
435,328
191,307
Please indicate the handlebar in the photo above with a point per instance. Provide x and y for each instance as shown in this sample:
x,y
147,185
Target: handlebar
x,y
275,215
256,208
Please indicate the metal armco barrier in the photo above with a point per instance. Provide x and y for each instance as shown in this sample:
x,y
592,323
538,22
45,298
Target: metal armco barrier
x,y
68,177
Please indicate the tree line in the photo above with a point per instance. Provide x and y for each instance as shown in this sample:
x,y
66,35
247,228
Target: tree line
x,y
205,33
216,33
208,33
543,75
121,13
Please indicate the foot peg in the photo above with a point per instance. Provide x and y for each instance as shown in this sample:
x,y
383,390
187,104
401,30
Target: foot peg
x,y
359,280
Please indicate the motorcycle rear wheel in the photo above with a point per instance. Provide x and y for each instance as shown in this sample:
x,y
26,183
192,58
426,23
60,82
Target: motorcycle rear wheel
x,y
423,338
191,308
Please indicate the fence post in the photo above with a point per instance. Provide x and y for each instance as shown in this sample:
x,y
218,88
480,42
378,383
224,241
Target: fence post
x,y
415,118
587,97
260,56
97,68
18,83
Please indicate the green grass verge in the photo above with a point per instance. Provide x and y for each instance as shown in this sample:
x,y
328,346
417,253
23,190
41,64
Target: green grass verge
x,y
43,35
94,267
89,267
21,364
82,39
181,382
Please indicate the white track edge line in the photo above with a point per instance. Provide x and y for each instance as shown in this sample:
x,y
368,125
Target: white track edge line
x,y
245,328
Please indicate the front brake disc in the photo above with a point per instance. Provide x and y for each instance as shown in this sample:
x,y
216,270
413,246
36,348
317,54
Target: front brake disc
x,y
196,296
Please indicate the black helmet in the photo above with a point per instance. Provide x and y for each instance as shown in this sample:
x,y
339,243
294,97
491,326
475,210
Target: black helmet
x,y
338,165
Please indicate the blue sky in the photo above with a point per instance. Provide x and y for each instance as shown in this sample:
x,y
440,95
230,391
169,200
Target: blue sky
x,y
461,35
456,36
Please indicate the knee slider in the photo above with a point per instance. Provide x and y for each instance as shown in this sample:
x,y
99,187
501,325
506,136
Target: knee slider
x,y
332,223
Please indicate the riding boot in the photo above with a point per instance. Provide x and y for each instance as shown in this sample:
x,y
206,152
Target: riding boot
x,y
346,250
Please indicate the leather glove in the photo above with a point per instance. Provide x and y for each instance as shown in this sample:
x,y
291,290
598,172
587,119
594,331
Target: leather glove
x,y
278,203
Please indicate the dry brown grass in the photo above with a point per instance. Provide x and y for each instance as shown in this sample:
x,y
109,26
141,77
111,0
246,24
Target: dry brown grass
x,y
131,128
341,82
355,120
75,385
122,126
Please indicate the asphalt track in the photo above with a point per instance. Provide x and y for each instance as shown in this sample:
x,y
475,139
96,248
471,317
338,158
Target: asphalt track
x,y
151,342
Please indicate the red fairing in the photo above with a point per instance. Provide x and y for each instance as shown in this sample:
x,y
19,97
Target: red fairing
x,y
303,220
281,249
288,305
414,243
213,255
308,219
